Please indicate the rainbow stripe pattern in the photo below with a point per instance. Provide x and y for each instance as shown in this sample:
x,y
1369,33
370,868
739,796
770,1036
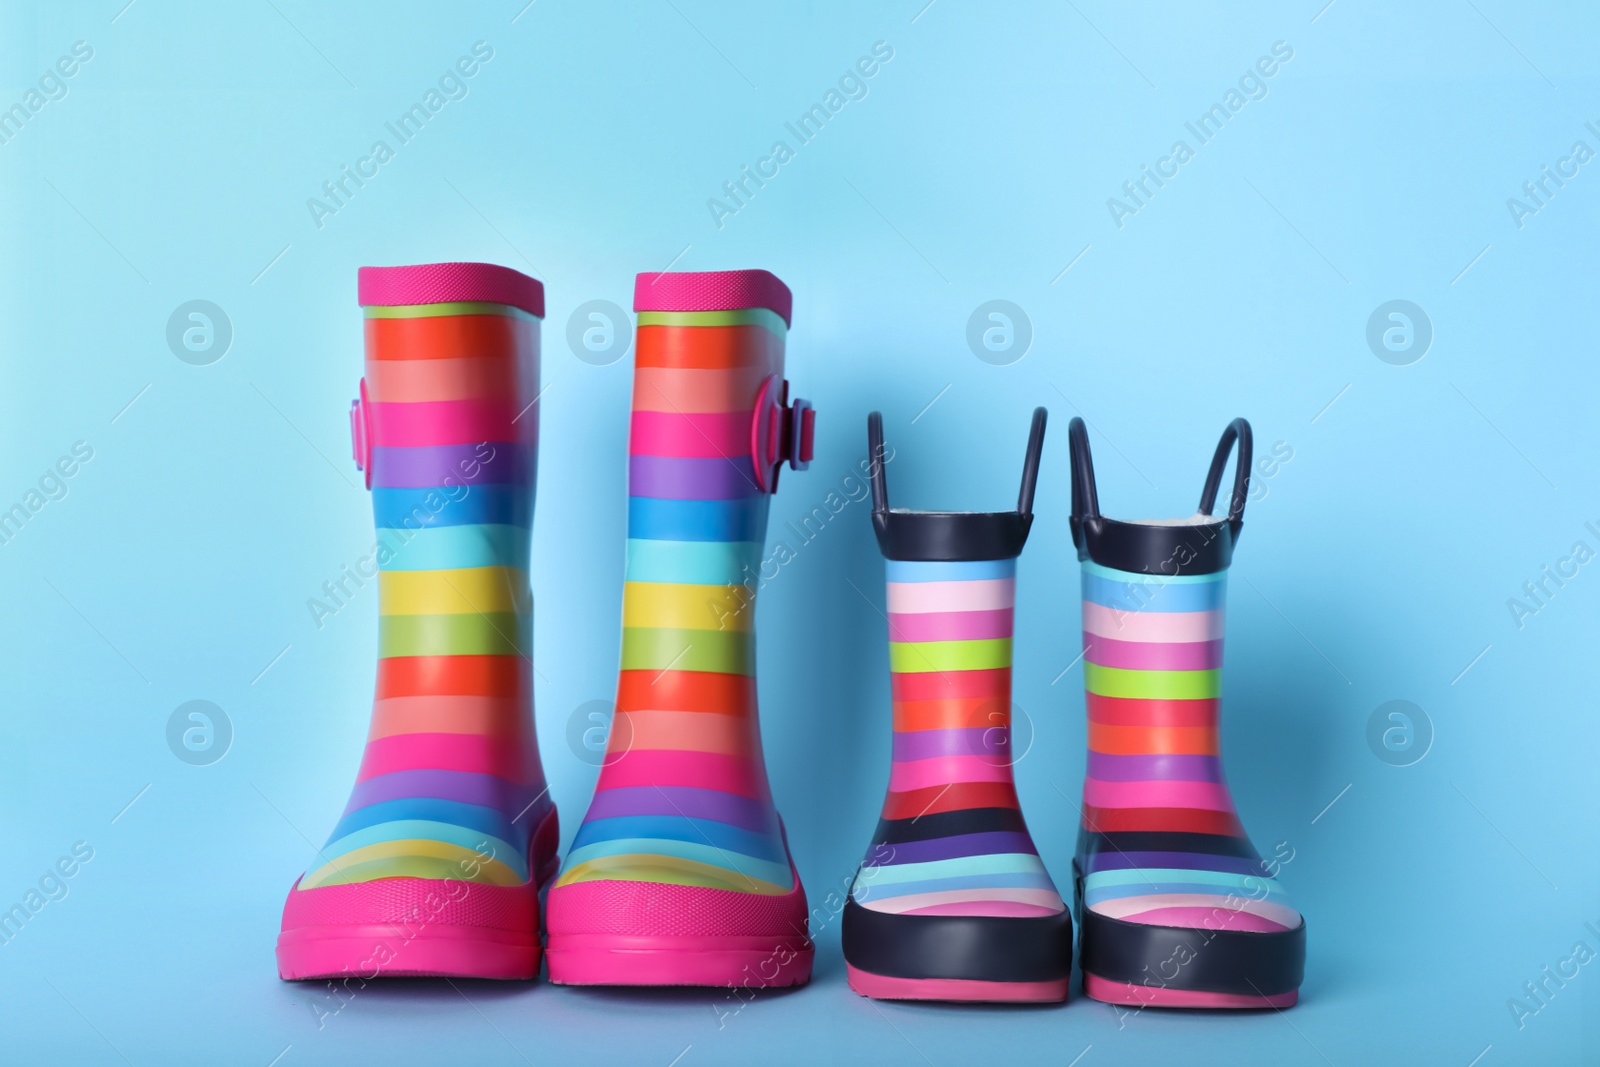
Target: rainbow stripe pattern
x,y
682,798
951,839
1160,843
450,786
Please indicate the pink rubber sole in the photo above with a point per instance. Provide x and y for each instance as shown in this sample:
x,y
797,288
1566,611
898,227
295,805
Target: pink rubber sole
x,y
1110,992
753,962
420,927
883,987
385,951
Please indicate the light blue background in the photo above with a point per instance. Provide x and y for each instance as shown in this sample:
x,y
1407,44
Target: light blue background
x,y
1377,566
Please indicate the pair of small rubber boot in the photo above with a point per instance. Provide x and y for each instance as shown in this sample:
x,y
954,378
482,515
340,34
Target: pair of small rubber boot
x,y
1174,905
444,861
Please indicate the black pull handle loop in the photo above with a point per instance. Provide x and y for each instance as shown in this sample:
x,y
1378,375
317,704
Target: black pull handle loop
x,y
1030,462
1238,431
880,484
1085,498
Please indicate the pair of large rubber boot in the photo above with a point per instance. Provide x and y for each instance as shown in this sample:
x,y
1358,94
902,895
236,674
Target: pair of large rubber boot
x,y
680,873
1175,907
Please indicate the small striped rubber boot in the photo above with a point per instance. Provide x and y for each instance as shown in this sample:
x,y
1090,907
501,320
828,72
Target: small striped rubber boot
x,y
436,864
952,901
1175,906
680,873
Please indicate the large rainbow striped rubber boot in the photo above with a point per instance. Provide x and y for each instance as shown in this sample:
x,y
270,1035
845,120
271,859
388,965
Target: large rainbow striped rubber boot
x,y
680,873
952,901
436,864
1175,906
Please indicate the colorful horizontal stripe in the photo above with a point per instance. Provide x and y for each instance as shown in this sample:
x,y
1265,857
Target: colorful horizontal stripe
x,y
1160,842
417,509
434,380
682,797
770,320
452,466
717,435
456,307
450,785
446,422
704,348
697,390
450,337
951,840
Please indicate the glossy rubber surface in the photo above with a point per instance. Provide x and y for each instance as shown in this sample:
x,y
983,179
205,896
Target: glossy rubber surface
x,y
952,897
1172,895
682,849
449,830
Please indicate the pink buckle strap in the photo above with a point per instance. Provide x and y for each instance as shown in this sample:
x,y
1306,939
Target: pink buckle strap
x,y
361,433
780,432
713,290
448,283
